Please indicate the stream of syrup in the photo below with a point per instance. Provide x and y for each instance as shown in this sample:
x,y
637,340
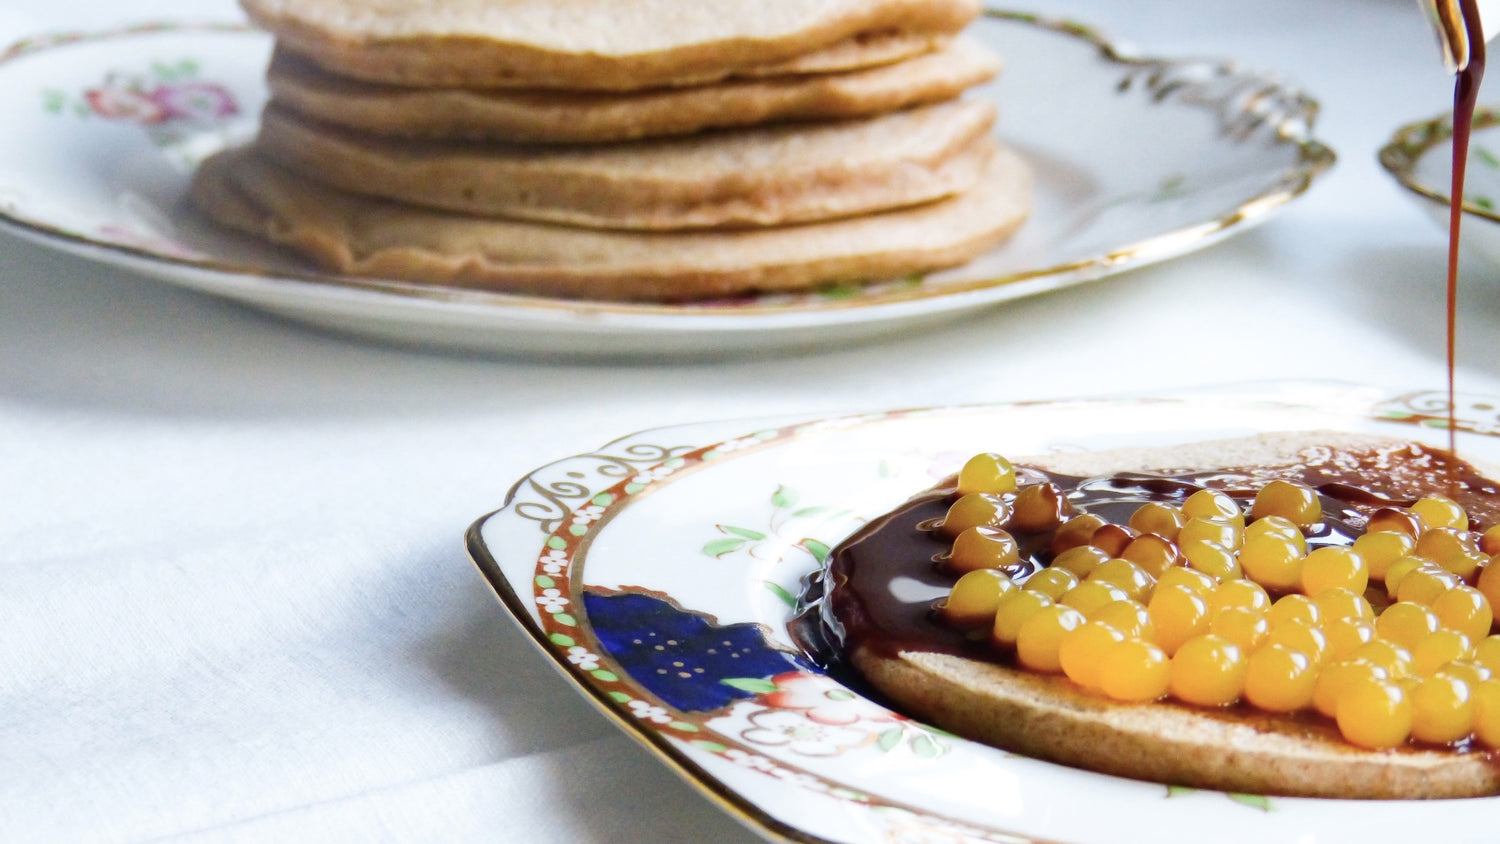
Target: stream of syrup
x,y
1465,97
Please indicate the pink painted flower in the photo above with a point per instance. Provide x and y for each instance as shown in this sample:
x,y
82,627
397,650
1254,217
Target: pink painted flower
x,y
801,735
194,101
823,701
124,104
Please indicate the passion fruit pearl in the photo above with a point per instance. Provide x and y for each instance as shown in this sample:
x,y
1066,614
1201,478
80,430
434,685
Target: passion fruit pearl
x,y
1090,595
1082,651
1041,635
1191,578
974,510
1454,550
1436,649
1405,622
974,597
1178,614
1133,579
1394,519
1080,560
1219,530
1037,508
1465,609
1212,504
1334,567
1134,671
1014,609
1294,502
1442,710
1212,559
1152,553
1208,670
1375,714
1128,617
1243,626
1052,582
981,548
1157,518
1381,549
1273,561
1281,527
1338,676
1279,679
987,473
1489,541
1075,532
1439,511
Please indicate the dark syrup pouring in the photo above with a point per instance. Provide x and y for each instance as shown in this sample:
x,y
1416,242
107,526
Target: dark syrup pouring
x,y
1465,97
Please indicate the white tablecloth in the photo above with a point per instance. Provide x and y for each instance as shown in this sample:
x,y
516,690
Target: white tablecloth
x,y
234,598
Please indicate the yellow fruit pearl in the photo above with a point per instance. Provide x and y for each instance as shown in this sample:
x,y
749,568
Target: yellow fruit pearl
x,y
1489,541
1222,531
1128,617
1154,517
1239,593
1273,561
1178,614
1466,670
974,510
1076,532
1455,551
1040,637
1294,608
1112,539
1334,567
1343,603
1080,560
1054,583
1208,670
1212,504
1442,710
1487,653
1134,671
1082,651
1424,584
1395,659
1395,520
1382,549
1441,512
1346,634
1128,576
1279,679
1038,508
1152,553
1300,636
1399,570
1337,676
1374,714
1090,595
1212,559
1489,585
1191,578
981,548
1280,527
1487,712
1465,609
1433,651
988,473
1014,608
1292,501
1405,622
1241,625
975,597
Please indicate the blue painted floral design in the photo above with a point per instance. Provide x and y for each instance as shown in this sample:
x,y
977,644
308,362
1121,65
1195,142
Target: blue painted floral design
x,y
682,657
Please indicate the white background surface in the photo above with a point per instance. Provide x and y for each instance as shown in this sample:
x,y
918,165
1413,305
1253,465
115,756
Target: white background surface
x,y
234,600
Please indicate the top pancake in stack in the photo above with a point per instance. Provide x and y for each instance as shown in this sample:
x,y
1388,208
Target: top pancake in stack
x,y
750,148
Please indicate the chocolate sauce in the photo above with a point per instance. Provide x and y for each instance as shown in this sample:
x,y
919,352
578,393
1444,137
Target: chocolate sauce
x,y
1465,96
881,583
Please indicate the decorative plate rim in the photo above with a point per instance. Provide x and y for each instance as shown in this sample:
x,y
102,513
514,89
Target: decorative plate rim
x,y
1400,155
1291,121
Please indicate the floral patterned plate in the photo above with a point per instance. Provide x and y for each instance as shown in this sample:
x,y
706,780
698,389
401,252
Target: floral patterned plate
x,y
1142,160
659,573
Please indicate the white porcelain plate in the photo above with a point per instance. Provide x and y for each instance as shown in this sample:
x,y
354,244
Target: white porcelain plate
x,y
1420,157
659,572
1137,160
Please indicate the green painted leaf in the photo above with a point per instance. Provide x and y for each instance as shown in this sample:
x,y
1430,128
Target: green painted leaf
x,y
712,454
745,532
839,695
1179,790
578,530
1256,801
632,488
889,739
684,726
1488,157
604,499
710,746
816,510
925,747
786,597
818,549
619,697
1397,414
565,619
562,640
604,675
545,582
720,547
887,469
753,685
784,497
556,543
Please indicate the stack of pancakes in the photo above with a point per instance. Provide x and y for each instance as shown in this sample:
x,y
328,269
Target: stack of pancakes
x,y
647,150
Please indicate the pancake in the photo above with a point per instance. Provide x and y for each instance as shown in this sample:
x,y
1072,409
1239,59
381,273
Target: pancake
x,y
759,176
1238,748
581,117
594,44
360,236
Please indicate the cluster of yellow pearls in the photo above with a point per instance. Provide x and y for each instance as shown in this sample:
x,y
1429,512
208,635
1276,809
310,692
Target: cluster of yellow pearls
x,y
1206,606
